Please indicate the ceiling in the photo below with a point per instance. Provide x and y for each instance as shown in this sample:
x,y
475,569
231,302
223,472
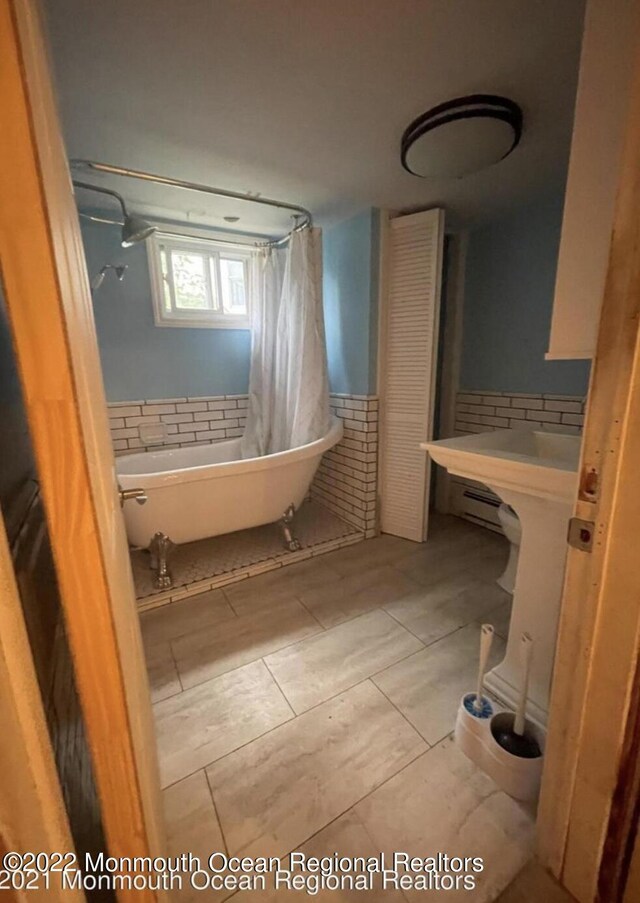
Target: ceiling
x,y
306,100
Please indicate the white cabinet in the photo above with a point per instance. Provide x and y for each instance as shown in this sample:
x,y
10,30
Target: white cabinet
x,y
609,43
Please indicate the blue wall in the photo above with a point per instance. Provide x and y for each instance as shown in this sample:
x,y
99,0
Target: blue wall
x,y
509,286
350,262
141,360
510,278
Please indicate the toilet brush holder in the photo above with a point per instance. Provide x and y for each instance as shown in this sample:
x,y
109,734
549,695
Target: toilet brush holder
x,y
471,726
518,777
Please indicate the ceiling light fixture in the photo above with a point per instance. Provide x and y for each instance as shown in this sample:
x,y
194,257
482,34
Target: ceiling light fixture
x,y
461,136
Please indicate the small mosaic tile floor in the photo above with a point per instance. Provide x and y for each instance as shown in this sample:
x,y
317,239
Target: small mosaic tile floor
x,y
209,563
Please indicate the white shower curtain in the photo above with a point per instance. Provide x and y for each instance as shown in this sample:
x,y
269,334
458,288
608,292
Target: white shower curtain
x,y
288,385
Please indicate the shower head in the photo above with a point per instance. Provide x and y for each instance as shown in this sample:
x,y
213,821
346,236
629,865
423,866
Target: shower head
x,y
97,280
135,229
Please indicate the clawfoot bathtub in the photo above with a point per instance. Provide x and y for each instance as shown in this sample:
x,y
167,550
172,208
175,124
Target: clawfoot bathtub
x,y
207,490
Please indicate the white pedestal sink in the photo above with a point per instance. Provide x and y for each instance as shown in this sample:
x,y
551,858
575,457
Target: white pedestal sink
x,y
536,473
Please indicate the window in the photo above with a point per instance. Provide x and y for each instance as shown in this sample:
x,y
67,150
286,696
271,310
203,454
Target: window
x,y
199,282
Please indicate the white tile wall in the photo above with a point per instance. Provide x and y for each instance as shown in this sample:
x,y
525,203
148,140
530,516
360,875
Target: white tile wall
x,y
479,412
346,482
188,421
347,479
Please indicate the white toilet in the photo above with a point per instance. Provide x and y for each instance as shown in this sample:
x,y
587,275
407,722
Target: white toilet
x,y
513,532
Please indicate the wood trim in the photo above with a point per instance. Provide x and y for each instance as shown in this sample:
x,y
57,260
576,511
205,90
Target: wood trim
x,y
632,888
49,306
32,812
597,651
624,817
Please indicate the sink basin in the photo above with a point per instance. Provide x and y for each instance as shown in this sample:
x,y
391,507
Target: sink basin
x,y
544,464
537,474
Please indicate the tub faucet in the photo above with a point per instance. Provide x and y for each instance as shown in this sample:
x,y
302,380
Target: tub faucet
x,y
140,495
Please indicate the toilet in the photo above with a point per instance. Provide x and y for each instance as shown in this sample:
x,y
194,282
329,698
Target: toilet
x,y
512,530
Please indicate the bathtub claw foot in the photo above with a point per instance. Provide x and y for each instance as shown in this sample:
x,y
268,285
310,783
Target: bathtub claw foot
x,y
160,548
286,522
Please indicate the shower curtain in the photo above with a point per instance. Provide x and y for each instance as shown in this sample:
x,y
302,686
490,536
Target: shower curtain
x,y
288,384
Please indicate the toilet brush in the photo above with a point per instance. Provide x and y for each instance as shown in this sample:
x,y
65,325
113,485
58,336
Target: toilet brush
x,y
512,737
478,705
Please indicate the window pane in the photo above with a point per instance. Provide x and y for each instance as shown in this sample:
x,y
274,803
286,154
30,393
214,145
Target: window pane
x,y
166,290
190,281
234,290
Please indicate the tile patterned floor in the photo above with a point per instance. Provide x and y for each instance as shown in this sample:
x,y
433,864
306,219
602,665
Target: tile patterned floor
x,y
534,884
311,708
196,566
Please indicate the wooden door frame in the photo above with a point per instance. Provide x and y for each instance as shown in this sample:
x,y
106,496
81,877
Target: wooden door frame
x,y
590,790
50,313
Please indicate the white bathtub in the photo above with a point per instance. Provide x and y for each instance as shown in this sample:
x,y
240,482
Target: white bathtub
x,y
207,490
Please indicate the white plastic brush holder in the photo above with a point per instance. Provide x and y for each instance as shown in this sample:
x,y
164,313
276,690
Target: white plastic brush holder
x,y
518,777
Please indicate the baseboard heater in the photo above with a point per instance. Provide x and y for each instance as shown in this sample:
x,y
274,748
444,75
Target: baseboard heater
x,y
475,503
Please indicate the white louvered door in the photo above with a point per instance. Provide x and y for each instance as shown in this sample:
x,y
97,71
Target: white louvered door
x,y
408,370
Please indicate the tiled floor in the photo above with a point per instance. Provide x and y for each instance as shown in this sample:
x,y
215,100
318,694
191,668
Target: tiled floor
x,y
222,560
311,708
532,885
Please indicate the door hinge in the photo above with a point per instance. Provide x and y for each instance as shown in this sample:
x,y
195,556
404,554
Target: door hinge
x,y
580,534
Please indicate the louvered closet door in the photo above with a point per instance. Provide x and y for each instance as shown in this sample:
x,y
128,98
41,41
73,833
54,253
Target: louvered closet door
x,y
408,367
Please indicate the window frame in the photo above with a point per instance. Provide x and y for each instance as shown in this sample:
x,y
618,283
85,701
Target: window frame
x,y
213,317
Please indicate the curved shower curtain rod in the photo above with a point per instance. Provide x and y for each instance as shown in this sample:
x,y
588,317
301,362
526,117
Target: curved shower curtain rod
x,y
305,217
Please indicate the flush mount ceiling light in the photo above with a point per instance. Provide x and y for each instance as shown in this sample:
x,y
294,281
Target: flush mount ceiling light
x,y
461,136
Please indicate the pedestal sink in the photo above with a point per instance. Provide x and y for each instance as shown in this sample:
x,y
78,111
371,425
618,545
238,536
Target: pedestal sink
x,y
536,473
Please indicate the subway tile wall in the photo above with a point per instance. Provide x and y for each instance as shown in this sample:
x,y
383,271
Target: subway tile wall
x,y
477,412
184,421
347,479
